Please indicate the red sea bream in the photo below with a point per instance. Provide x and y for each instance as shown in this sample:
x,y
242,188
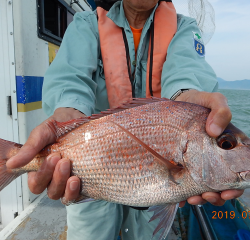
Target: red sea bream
x,y
147,153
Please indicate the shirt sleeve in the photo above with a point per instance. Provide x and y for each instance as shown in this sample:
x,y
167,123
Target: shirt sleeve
x,y
68,81
184,67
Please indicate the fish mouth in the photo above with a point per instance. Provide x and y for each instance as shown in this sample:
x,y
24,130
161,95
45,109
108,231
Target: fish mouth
x,y
245,175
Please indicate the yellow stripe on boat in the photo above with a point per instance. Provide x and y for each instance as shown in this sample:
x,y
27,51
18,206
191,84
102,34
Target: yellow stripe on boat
x,y
29,106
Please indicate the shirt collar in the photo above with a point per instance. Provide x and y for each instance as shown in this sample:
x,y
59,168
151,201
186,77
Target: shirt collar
x,y
117,15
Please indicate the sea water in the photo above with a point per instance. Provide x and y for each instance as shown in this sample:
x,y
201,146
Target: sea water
x,y
239,103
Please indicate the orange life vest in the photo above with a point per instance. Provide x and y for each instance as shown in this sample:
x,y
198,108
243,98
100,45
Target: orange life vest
x,y
115,60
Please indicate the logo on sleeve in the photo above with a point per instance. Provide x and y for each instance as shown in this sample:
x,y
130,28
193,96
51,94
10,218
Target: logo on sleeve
x,y
198,44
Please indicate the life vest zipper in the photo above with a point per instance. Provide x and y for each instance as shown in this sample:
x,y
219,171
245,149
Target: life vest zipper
x,y
151,57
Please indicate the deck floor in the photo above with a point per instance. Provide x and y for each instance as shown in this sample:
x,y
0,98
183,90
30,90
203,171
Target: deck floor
x,y
47,220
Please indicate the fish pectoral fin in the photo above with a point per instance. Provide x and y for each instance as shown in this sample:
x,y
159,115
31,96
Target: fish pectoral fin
x,y
61,128
166,213
160,158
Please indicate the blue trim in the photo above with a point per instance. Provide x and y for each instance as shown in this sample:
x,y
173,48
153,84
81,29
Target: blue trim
x,y
29,89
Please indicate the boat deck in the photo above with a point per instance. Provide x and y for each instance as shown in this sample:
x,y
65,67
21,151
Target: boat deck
x,y
43,219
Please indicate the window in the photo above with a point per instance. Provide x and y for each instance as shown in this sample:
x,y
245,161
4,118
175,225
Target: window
x,y
54,16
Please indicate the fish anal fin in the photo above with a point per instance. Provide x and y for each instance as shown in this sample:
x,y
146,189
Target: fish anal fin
x,y
170,166
80,199
166,214
84,199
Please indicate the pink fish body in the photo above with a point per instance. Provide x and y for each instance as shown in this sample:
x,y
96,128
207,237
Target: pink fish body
x,y
148,153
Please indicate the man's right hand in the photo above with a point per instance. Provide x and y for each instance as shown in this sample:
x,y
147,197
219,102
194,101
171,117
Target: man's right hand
x,y
54,173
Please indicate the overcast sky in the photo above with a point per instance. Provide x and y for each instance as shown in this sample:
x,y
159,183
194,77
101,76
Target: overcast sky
x,y
228,52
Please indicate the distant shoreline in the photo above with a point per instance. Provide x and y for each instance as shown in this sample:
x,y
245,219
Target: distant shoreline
x,y
233,89
234,85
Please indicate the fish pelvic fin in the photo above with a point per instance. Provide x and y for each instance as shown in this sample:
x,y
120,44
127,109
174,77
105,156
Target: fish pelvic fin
x,y
166,214
7,150
170,166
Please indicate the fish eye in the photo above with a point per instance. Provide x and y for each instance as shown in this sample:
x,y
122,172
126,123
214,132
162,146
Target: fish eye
x,y
226,141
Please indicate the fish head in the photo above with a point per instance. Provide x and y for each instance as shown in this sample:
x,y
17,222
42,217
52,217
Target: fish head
x,y
219,163
234,148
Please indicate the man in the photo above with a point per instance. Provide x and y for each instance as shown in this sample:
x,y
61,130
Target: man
x,y
77,84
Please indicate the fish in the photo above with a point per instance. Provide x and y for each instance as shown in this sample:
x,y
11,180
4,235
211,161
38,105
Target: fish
x,y
146,153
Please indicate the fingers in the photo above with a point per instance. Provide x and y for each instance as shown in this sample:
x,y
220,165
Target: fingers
x,y
54,174
58,183
38,139
62,185
196,200
220,114
216,199
213,198
72,189
231,194
38,181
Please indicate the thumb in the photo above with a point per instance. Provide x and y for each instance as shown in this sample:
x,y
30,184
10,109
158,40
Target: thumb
x,y
40,136
220,115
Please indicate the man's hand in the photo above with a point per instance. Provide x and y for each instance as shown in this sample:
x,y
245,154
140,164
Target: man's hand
x,y
54,173
217,121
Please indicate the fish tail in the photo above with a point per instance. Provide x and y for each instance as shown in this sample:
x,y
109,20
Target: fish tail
x,y
7,150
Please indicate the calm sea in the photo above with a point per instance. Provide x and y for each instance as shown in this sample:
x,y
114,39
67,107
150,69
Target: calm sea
x,y
239,103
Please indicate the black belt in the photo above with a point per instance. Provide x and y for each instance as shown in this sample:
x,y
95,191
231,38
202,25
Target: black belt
x,y
140,208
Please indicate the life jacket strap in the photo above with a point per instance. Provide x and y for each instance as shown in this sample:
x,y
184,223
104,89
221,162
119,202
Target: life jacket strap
x,y
164,29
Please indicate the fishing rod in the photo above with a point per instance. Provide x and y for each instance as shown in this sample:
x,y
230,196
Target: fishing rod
x,y
207,231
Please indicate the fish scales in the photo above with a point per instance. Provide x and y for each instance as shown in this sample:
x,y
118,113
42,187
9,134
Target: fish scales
x,y
114,167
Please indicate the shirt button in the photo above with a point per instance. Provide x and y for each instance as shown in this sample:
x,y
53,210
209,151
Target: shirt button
x,y
134,63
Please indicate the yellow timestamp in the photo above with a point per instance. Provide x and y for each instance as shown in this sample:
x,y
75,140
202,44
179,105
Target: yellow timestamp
x,y
231,214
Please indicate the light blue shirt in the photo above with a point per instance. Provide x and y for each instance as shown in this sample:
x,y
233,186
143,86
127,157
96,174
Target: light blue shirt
x,y
76,76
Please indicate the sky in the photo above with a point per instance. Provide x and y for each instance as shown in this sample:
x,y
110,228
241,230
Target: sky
x,y
228,52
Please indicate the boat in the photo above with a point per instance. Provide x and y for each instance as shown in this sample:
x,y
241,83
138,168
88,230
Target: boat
x,y
30,36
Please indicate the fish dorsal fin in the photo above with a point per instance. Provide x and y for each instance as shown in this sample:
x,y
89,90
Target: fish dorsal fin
x,y
61,128
135,102
166,214
160,158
